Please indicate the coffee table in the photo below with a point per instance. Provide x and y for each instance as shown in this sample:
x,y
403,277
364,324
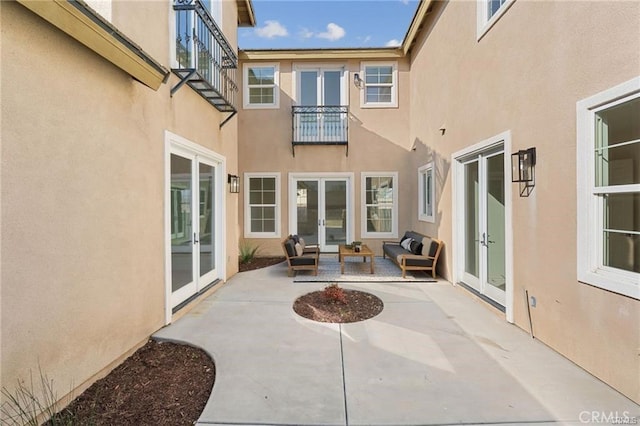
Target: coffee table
x,y
344,251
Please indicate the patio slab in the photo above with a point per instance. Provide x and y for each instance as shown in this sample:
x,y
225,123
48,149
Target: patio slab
x,y
435,355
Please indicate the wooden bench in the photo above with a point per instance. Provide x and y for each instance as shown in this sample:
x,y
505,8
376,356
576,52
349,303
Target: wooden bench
x,y
424,258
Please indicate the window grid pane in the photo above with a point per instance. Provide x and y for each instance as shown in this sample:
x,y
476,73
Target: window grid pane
x,y
262,204
379,203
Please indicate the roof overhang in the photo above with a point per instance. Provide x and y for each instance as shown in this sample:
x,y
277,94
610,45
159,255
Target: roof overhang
x,y
324,54
246,15
89,28
422,11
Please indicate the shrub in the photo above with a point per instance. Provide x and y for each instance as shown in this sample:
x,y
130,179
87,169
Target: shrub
x,y
335,293
247,252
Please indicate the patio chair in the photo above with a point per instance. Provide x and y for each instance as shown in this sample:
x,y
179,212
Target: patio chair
x,y
300,258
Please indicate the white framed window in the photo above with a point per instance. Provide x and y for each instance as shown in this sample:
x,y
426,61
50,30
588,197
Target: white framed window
x,y
262,205
379,204
488,13
608,184
380,85
261,86
426,193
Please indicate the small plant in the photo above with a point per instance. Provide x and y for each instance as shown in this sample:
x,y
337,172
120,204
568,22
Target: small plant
x,y
247,252
335,293
25,407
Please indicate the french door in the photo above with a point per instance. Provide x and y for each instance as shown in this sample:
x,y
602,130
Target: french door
x,y
482,203
322,91
194,222
321,211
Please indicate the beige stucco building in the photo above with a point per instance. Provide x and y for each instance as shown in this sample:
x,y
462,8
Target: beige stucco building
x,y
339,145
116,214
115,204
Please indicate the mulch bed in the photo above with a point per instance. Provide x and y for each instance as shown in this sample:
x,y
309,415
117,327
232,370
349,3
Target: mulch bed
x,y
358,306
260,262
160,384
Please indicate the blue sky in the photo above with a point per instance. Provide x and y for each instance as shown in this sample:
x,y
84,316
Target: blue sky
x,y
327,23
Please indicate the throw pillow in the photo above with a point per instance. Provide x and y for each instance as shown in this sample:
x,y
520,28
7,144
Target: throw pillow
x,y
406,244
301,241
416,247
299,249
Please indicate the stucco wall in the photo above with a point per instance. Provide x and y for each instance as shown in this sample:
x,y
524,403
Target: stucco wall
x,y
83,157
378,142
526,75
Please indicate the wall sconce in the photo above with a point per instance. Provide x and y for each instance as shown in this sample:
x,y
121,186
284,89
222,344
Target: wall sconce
x,y
234,183
357,81
523,170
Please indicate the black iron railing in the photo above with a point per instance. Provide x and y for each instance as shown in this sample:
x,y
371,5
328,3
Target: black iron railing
x,y
320,125
206,60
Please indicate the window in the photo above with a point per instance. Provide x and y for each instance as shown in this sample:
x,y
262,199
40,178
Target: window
x,y
426,193
380,205
261,86
262,207
609,189
488,13
380,85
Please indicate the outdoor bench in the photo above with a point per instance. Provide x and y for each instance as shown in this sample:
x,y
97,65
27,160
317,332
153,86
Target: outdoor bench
x,y
414,252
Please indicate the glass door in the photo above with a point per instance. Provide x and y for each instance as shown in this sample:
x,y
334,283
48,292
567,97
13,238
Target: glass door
x,y
483,201
321,212
322,91
182,234
193,225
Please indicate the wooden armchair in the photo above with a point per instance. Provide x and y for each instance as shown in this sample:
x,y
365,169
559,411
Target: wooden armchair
x,y
300,258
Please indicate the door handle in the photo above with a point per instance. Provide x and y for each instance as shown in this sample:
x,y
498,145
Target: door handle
x,y
195,239
483,241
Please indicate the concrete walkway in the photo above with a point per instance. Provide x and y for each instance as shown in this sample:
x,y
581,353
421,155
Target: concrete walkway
x,y
434,356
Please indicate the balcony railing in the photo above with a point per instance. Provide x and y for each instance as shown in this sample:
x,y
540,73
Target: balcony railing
x,y
320,125
206,61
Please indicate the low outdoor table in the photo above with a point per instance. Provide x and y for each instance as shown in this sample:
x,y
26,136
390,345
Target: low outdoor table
x,y
344,251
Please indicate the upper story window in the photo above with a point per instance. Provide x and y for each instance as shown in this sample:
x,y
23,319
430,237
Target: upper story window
x,y
426,193
262,206
379,205
608,144
488,13
215,9
380,85
261,86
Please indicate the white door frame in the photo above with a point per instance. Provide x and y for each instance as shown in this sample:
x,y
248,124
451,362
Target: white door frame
x,y
348,176
503,139
175,144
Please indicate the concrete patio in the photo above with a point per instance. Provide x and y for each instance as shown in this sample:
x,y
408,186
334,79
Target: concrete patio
x,y
434,356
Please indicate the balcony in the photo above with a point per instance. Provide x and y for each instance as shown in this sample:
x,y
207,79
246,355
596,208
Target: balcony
x,y
206,61
320,125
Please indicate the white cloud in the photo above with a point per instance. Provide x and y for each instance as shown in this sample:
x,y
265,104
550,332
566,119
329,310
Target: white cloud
x,y
272,29
334,32
405,1
393,43
364,40
305,33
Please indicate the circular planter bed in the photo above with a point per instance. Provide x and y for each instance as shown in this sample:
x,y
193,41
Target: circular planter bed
x,y
337,305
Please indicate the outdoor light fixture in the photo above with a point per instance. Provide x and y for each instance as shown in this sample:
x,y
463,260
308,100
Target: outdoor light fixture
x,y
234,183
357,81
523,170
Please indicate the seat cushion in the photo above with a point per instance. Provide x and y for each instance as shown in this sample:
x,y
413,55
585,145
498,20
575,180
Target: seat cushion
x,y
303,260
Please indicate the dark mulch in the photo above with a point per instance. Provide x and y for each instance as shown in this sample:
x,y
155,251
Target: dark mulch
x,y
160,384
358,306
260,262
